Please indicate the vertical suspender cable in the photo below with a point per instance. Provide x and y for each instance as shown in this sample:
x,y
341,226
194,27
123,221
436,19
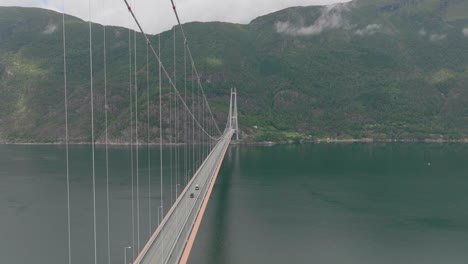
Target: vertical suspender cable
x,y
200,114
185,116
193,126
176,152
92,130
131,136
66,132
107,147
170,145
136,139
148,140
199,132
207,145
161,135
204,140
160,132
209,139
191,137
203,135
136,145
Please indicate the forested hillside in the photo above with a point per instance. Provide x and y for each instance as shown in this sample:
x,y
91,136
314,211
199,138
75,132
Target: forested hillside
x,y
387,69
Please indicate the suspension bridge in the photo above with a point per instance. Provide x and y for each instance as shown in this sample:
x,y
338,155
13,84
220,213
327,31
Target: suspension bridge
x,y
184,118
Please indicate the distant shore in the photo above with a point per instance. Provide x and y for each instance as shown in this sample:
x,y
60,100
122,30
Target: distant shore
x,y
259,143
363,140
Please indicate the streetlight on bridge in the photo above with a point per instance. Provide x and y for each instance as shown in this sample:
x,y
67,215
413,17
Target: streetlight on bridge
x,y
125,254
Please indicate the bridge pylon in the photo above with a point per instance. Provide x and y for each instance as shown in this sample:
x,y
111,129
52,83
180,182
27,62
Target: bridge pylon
x,y
232,121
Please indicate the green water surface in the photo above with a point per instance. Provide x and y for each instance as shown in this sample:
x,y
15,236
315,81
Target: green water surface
x,y
339,203
319,203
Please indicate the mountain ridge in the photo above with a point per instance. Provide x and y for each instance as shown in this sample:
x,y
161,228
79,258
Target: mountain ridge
x,y
364,69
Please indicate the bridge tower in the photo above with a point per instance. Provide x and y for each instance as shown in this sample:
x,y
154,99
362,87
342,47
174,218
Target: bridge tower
x,y
232,122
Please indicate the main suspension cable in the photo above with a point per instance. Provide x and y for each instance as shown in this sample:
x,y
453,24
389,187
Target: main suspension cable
x,y
191,58
167,74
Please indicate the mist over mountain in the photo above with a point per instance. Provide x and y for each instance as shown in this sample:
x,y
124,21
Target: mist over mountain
x,y
383,69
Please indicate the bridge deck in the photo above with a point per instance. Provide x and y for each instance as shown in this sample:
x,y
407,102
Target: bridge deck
x,y
168,242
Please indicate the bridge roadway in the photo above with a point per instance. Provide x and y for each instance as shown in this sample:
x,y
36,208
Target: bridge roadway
x,y
168,242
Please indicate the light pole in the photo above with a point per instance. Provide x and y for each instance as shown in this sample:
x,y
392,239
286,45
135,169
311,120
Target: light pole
x,y
159,215
125,254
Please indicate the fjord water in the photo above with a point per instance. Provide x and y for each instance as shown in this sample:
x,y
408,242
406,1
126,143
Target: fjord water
x,y
319,203
338,203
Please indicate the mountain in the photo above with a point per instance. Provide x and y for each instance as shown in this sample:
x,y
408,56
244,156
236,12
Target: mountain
x,y
388,69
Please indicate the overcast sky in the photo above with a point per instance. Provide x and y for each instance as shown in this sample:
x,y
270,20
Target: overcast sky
x,y
157,15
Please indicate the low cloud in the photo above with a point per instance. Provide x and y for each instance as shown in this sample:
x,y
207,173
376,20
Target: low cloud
x,y
51,28
369,30
437,37
333,16
157,16
465,32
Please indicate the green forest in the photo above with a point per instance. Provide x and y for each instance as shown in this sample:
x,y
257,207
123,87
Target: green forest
x,y
389,69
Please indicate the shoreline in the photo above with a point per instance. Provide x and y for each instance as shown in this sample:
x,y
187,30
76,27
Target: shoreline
x,y
347,141
257,143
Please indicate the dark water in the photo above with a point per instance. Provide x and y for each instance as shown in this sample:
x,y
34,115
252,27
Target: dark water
x,y
325,203
33,206
339,203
